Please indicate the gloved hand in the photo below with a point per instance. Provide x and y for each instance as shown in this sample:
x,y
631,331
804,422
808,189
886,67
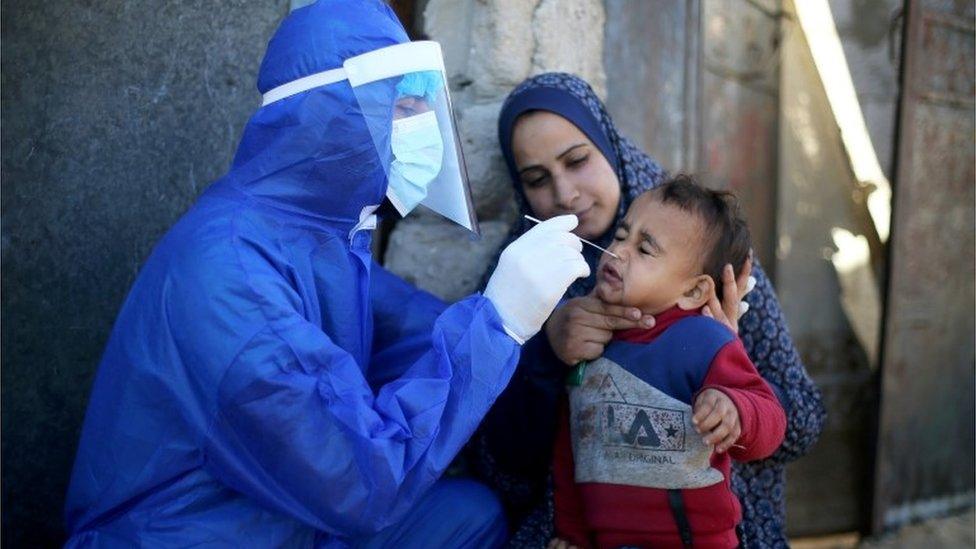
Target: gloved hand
x,y
533,272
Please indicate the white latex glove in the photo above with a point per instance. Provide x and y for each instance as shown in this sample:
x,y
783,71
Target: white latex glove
x,y
533,272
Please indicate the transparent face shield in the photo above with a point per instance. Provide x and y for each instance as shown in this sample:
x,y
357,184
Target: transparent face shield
x,y
403,95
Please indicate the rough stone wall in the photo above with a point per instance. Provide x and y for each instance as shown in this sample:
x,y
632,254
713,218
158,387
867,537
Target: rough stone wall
x,y
490,46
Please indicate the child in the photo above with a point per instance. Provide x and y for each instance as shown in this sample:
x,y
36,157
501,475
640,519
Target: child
x,y
629,468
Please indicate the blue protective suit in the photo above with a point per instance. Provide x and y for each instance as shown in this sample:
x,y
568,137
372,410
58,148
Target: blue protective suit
x,y
266,383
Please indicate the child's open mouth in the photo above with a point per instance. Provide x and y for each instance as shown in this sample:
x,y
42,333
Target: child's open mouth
x,y
610,275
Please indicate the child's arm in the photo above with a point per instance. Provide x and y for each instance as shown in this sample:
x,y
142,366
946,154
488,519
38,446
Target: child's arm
x,y
569,522
757,412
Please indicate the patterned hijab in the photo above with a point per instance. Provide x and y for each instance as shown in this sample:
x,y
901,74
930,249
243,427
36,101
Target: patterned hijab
x,y
572,98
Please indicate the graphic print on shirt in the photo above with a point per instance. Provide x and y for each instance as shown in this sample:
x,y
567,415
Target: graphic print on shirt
x,y
628,426
625,431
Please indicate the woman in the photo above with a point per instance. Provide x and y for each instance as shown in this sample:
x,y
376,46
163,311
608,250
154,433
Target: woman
x,y
565,156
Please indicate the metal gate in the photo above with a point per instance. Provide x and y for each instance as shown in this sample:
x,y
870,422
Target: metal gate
x,y
925,464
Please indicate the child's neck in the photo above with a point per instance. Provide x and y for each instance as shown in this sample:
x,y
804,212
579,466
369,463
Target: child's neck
x,y
662,321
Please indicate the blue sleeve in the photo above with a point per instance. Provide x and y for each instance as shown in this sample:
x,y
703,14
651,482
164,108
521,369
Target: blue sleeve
x,y
297,427
521,426
767,340
513,447
403,321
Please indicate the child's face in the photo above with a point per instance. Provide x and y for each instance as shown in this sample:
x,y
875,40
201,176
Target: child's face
x,y
660,265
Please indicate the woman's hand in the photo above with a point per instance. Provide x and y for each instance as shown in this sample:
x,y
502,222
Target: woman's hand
x,y
733,292
582,327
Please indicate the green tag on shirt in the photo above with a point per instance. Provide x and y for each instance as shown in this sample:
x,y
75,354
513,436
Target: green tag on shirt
x,y
575,377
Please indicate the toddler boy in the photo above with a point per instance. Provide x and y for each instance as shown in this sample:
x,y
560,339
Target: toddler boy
x,y
645,445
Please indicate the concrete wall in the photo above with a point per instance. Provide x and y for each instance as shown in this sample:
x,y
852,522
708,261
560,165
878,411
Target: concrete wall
x,y
115,116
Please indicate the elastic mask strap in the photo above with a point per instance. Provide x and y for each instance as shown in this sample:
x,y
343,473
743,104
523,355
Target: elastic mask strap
x,y
305,83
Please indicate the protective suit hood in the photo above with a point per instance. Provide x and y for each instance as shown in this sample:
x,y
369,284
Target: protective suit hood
x,y
312,153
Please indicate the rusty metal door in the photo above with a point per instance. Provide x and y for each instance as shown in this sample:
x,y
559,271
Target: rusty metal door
x,y
925,464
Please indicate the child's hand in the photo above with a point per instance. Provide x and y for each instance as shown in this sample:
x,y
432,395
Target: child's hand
x,y
556,543
716,417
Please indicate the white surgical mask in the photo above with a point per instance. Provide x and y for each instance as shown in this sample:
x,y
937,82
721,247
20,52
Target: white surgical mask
x,y
418,151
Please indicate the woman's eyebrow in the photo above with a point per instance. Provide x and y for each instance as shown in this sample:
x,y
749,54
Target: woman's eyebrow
x,y
564,153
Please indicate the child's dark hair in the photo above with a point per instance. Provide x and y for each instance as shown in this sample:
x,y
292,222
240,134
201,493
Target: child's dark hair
x,y
726,238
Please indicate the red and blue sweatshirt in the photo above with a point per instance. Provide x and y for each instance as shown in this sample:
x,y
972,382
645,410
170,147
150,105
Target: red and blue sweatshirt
x,y
626,438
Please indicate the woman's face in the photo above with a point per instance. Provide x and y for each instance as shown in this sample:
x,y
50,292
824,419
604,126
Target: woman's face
x,y
563,172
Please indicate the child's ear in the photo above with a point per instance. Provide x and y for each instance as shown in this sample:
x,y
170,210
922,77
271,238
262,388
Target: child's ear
x,y
698,295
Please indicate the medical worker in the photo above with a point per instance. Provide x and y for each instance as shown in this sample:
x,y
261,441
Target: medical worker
x,y
266,383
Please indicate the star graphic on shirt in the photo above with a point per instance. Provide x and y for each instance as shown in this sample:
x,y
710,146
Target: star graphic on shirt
x,y
671,431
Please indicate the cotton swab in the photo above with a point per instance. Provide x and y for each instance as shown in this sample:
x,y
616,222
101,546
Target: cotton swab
x,y
583,240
